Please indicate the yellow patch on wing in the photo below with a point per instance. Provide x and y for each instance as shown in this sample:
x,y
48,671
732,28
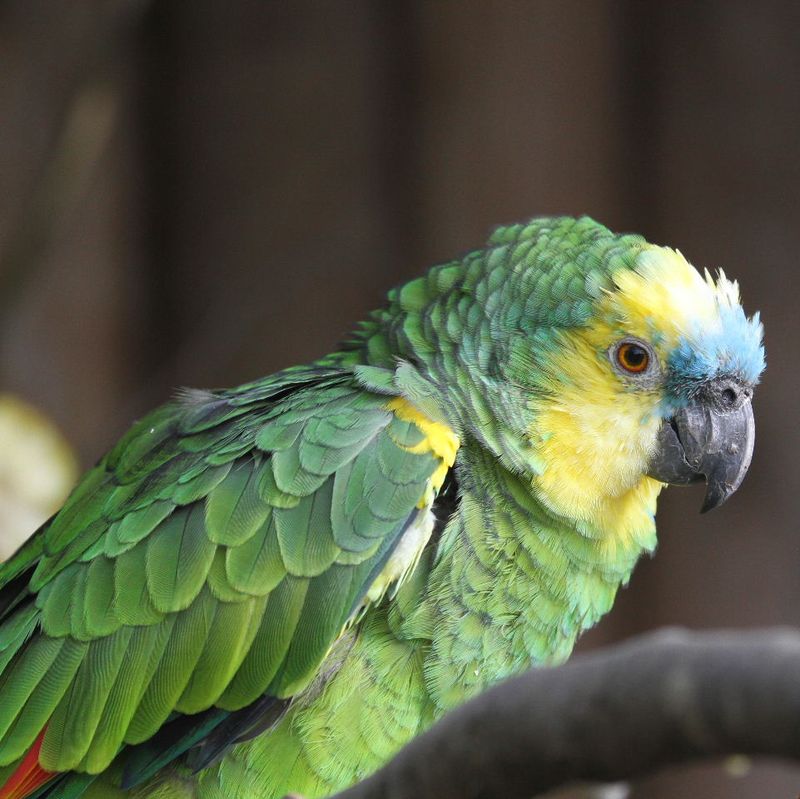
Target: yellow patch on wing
x,y
443,443
439,440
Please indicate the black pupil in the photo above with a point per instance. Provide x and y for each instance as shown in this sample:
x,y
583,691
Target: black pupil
x,y
634,356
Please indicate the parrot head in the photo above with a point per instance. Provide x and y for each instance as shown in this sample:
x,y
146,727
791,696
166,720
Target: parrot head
x,y
646,381
598,365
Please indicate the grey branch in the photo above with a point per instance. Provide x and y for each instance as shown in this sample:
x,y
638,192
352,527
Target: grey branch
x,y
657,701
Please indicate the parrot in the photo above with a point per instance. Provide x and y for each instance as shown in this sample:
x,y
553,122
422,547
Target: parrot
x,y
271,589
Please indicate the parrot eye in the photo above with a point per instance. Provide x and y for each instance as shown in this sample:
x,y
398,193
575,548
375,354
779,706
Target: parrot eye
x,y
633,358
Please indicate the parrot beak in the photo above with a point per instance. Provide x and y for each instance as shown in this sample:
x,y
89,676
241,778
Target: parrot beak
x,y
710,439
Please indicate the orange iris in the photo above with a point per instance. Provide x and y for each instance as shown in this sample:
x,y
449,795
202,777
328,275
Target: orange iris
x,y
633,357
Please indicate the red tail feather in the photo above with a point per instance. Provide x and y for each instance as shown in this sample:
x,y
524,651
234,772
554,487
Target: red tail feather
x,y
29,775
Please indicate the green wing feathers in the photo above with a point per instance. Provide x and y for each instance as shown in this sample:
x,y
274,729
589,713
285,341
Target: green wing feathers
x,y
211,558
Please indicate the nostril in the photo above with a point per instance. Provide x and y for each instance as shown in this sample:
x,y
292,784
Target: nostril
x,y
729,397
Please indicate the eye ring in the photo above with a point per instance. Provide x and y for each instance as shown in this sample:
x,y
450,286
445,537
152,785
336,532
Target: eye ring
x,y
634,359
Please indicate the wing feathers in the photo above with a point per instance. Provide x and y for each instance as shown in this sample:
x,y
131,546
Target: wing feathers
x,y
212,558
257,566
52,668
181,653
304,534
144,650
269,646
235,509
72,726
179,555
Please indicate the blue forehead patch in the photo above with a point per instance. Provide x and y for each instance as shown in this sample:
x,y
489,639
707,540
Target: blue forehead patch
x,y
734,349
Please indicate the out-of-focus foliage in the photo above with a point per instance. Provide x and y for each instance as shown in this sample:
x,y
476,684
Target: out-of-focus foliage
x,y
37,470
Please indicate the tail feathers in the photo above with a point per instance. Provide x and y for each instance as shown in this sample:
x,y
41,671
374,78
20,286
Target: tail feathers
x,y
28,776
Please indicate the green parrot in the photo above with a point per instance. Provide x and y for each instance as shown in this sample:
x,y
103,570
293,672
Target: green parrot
x,y
272,588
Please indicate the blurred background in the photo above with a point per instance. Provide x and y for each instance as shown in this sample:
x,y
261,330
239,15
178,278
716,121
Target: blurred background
x,y
199,193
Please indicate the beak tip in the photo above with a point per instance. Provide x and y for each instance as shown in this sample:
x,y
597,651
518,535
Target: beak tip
x,y
709,505
716,495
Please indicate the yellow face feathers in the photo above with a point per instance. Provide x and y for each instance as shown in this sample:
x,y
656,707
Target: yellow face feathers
x,y
593,442
667,296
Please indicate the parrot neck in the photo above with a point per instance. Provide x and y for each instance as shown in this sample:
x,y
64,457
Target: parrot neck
x,y
450,371
514,585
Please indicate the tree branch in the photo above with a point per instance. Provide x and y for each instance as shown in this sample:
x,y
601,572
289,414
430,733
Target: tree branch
x,y
660,700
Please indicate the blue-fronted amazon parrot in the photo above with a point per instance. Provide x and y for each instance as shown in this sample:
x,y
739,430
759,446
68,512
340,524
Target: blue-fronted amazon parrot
x,y
272,588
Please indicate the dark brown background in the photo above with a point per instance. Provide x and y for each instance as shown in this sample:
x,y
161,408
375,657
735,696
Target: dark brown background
x,y
197,193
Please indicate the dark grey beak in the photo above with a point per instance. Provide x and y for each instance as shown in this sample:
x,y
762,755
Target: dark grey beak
x,y
711,439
